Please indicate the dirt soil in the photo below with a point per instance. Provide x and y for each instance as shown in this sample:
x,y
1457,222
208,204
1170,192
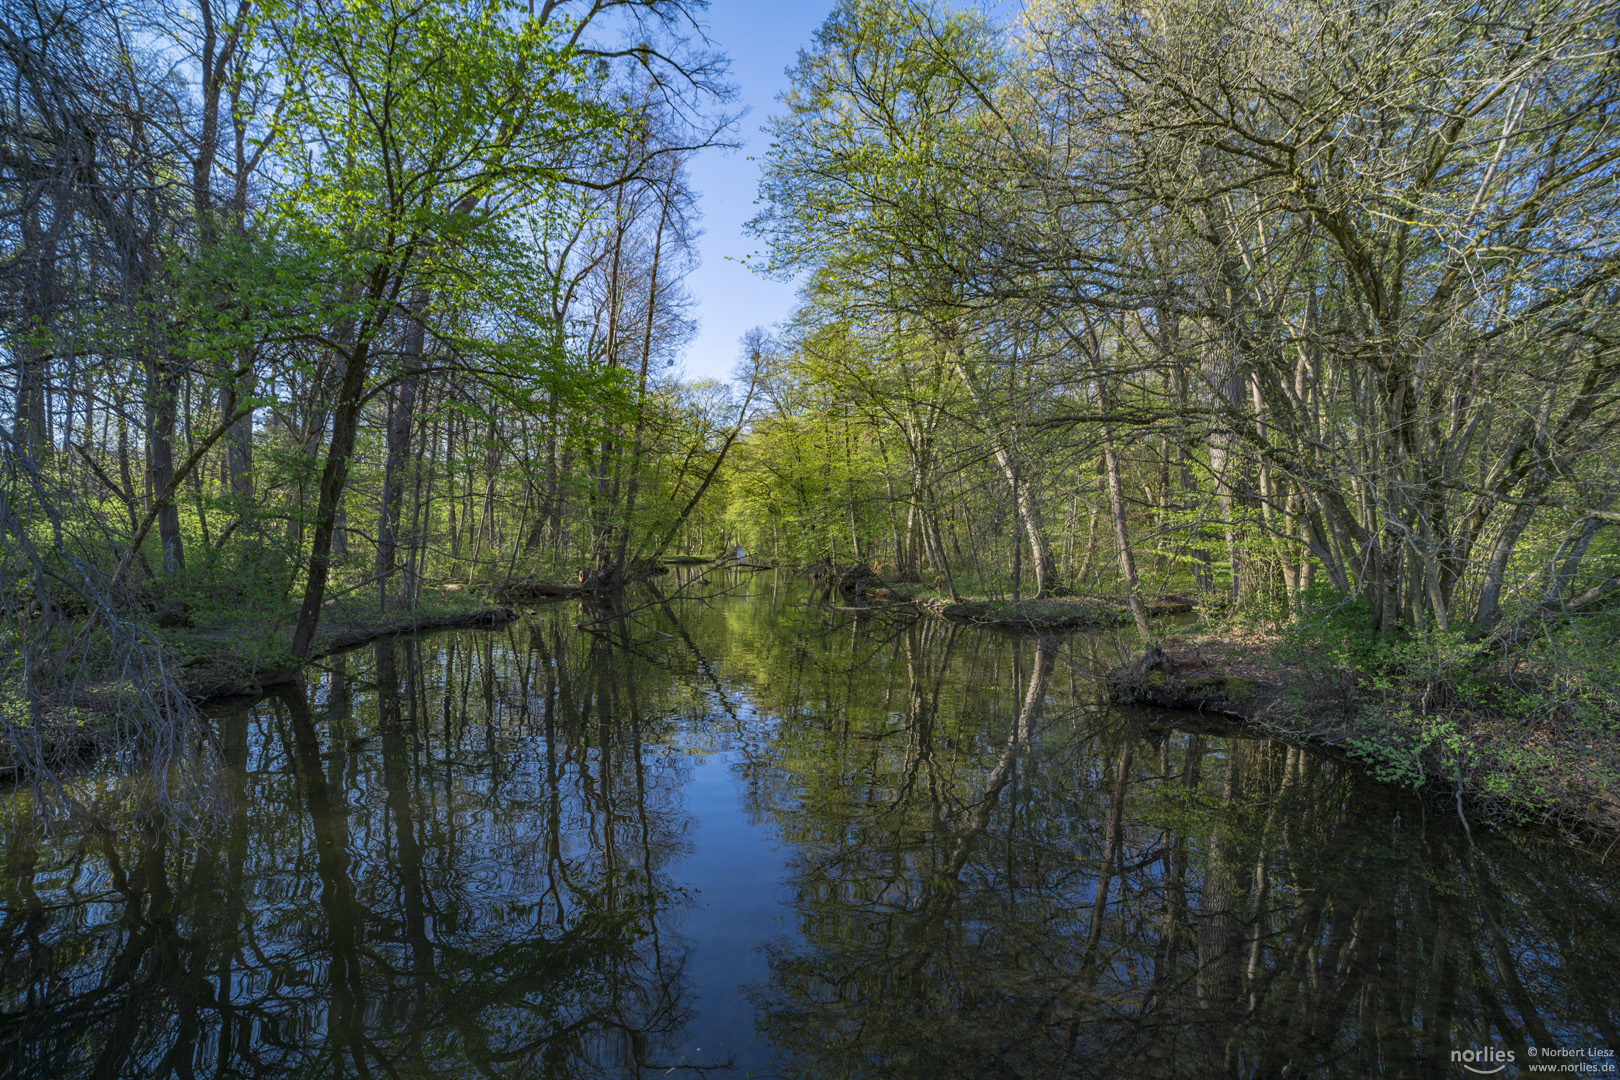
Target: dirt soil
x,y
1050,614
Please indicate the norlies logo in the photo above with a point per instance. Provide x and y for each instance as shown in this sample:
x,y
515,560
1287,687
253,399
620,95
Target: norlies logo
x,y
1485,1062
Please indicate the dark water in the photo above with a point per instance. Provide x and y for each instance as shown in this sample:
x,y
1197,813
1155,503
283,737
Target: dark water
x,y
746,836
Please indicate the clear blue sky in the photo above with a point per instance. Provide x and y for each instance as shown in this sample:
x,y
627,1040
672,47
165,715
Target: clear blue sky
x,y
762,37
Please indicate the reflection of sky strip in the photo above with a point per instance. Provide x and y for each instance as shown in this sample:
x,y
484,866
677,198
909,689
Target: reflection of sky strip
x,y
490,879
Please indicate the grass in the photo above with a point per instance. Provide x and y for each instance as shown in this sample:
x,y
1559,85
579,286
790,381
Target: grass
x,y
237,649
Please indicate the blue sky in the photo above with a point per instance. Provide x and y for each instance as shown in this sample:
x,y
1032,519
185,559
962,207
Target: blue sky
x,y
762,38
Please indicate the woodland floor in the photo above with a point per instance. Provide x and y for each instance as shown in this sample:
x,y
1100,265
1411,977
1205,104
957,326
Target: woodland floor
x,y
239,652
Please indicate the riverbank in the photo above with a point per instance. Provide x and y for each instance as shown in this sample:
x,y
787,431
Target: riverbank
x,y
1508,762
863,589
827,749
235,654
196,648
201,654
1049,614
242,656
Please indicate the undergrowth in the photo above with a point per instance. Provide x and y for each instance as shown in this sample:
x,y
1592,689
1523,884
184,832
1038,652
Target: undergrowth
x,y
1527,732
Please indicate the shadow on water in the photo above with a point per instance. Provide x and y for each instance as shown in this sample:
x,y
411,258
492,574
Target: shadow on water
x,y
740,834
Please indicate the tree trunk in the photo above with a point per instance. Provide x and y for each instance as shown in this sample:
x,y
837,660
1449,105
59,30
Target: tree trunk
x,y
1127,561
32,346
633,484
1221,372
399,448
163,386
239,439
335,474
1028,511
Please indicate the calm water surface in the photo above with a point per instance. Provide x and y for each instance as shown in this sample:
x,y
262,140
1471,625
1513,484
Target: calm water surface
x,y
746,836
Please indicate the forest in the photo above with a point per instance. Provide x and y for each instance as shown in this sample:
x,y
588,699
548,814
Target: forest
x,y
1150,608
320,315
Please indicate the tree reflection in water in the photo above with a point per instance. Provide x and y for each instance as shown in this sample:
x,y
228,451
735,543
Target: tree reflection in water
x,y
452,861
469,855
1101,896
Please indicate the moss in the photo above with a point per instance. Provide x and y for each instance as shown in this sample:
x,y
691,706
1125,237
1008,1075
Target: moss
x,y
1238,688
1231,688
247,657
1157,679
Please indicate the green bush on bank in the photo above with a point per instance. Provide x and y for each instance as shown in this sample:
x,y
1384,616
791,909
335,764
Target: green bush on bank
x,y
1527,731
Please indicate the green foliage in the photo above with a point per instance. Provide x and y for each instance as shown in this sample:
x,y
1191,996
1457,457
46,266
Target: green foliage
x,y
1422,705
413,113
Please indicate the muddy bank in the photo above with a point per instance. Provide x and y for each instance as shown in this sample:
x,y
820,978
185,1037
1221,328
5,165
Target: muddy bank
x,y
535,591
227,674
858,586
1050,614
1503,769
1212,677
223,668
1066,613
77,729
209,666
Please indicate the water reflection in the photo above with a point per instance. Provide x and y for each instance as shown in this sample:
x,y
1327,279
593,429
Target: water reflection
x,y
490,854
454,858
1108,897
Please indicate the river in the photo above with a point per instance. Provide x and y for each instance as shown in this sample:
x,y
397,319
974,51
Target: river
x,y
741,834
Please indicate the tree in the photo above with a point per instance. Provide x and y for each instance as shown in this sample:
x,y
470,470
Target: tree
x,y
869,183
426,129
1385,227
